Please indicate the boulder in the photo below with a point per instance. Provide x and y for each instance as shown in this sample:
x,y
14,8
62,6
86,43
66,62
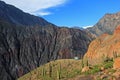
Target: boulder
x,y
116,64
85,69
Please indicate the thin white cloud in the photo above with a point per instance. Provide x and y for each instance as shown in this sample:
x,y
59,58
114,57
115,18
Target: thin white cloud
x,y
87,26
42,13
31,6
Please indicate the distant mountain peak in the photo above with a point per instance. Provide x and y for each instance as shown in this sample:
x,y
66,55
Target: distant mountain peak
x,y
112,14
106,24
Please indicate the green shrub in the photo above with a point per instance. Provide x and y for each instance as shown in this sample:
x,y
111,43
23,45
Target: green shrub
x,y
95,70
112,70
108,64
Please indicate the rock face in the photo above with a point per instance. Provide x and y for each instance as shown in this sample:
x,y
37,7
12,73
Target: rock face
x,y
107,24
105,46
23,48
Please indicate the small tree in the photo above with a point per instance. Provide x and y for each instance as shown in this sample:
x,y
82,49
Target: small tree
x,y
59,72
50,70
114,55
103,58
85,62
43,71
82,62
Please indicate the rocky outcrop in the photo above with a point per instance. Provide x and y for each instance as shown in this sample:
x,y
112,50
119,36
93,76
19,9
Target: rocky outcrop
x,y
105,46
116,64
26,42
107,24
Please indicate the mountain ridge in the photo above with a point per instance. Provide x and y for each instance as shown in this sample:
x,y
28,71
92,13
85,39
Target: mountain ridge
x,y
16,16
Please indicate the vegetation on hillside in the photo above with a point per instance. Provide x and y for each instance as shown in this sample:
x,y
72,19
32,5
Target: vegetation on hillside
x,y
55,70
70,69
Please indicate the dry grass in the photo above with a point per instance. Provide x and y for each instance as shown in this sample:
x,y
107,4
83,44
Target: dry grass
x,y
69,68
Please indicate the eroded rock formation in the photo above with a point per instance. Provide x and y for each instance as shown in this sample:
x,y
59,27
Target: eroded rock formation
x,y
105,46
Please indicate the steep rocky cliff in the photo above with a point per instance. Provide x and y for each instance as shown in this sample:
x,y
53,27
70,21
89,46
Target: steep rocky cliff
x,y
26,42
107,24
105,46
25,48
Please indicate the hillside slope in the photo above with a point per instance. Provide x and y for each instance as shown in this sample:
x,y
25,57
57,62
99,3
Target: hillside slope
x,y
69,69
55,70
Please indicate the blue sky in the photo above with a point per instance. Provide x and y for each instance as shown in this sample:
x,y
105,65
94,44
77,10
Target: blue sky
x,y
68,12
83,12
